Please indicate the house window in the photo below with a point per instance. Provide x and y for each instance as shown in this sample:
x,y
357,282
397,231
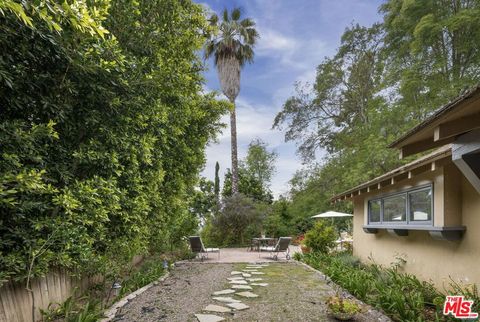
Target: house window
x,y
420,202
395,208
414,206
375,207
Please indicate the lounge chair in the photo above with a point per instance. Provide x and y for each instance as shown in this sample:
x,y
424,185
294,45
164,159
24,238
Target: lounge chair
x,y
197,247
280,247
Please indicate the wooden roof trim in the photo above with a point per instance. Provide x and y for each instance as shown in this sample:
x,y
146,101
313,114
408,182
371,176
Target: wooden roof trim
x,y
428,162
475,91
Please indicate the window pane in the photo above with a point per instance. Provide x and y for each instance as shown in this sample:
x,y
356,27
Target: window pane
x,y
421,205
394,208
374,210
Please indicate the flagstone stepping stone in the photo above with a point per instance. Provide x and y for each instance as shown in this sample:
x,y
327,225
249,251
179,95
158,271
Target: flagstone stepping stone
x,y
235,273
247,294
235,278
254,268
243,282
246,275
255,279
208,318
217,308
259,284
238,306
241,287
226,299
224,292
257,273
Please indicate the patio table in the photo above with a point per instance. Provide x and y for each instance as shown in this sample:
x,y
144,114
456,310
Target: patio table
x,y
260,241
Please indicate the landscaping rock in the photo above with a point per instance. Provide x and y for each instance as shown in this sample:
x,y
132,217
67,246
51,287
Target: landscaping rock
x,y
242,282
226,299
217,308
247,294
241,287
255,279
235,278
224,292
259,284
235,273
238,306
257,273
246,275
208,318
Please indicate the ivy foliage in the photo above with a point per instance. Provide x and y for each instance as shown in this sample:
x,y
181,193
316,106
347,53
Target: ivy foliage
x,y
102,133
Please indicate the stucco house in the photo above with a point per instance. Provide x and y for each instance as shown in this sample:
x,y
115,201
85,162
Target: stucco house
x,y
427,211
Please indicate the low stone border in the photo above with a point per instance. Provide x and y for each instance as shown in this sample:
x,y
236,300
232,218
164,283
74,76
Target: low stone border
x,y
112,311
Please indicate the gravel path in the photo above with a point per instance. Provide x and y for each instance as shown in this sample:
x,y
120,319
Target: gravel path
x,y
294,293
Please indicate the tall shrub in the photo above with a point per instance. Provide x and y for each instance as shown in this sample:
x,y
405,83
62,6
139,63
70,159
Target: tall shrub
x,y
321,238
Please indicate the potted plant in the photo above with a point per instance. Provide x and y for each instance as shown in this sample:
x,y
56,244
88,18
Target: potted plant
x,y
342,309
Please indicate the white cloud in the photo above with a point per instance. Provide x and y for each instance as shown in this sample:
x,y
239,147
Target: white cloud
x,y
273,41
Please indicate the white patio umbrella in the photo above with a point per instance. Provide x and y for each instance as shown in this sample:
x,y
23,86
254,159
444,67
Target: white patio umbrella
x,y
332,214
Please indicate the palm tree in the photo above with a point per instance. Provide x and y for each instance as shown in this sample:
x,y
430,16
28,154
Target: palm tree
x,y
231,47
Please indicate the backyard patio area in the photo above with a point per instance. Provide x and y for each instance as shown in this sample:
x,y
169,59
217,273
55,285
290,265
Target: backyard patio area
x,y
239,286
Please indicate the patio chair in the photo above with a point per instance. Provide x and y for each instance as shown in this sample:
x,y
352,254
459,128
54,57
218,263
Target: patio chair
x,y
197,247
280,247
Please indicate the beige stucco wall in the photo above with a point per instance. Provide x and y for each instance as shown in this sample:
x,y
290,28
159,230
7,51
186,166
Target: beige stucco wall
x,y
426,257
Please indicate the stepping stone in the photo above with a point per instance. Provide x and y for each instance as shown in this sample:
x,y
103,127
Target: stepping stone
x,y
241,287
238,306
249,270
254,267
217,308
246,275
224,292
257,273
208,318
235,278
247,294
243,282
255,279
226,299
235,273
259,284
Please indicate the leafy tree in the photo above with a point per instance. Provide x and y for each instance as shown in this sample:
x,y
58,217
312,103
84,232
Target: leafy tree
x,y
382,80
239,220
342,98
249,186
231,46
203,201
432,50
260,162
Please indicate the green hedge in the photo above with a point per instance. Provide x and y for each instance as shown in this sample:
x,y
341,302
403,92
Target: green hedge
x,y
102,135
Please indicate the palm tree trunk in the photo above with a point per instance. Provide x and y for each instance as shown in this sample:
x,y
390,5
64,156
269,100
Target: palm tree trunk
x,y
233,138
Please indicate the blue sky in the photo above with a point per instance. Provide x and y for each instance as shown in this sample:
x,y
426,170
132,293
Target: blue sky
x,y
295,37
